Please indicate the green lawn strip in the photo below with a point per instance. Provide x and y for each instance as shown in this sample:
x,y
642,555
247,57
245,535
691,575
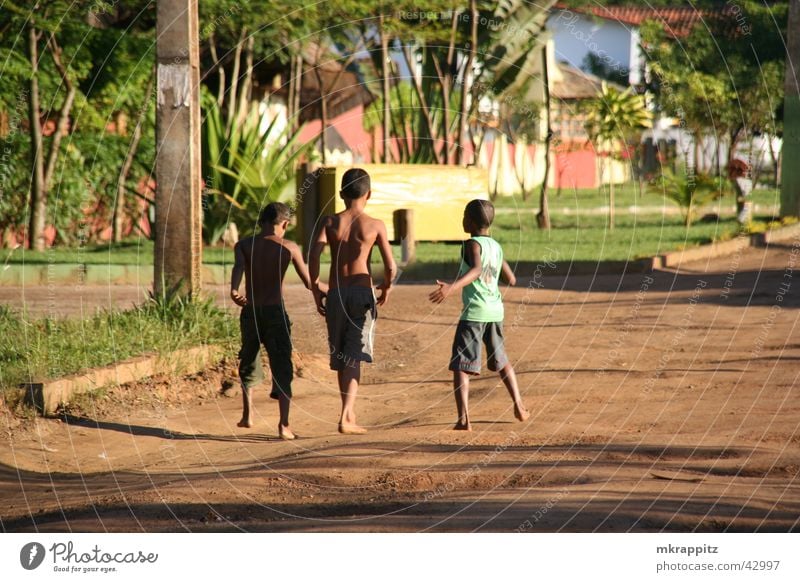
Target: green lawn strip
x,y
36,349
586,238
573,237
624,196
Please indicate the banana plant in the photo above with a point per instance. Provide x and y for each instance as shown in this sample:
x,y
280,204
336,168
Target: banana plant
x,y
244,168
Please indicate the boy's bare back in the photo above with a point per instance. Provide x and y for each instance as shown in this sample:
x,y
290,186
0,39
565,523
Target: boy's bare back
x,y
351,235
265,260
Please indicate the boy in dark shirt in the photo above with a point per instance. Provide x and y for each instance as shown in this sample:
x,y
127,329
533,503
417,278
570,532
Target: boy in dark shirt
x,y
263,260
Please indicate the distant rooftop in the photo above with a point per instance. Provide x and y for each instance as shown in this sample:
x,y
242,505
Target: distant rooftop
x,y
678,21
577,84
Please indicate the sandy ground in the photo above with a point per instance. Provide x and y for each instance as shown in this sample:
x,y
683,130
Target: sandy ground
x,y
659,402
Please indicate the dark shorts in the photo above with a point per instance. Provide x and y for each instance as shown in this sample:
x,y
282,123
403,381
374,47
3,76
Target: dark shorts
x,y
470,335
266,325
350,315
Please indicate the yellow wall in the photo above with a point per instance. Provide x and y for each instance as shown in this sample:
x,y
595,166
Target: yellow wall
x,y
437,194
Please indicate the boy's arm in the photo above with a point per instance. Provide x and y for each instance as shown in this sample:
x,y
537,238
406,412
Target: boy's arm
x,y
236,276
472,255
508,274
389,266
300,265
320,240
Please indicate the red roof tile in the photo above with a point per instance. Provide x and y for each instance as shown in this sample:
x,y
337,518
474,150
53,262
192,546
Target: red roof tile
x,y
677,21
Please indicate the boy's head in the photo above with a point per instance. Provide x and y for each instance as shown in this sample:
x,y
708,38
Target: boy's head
x,y
478,215
355,184
275,214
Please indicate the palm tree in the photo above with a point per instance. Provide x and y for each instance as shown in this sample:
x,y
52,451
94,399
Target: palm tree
x,y
611,117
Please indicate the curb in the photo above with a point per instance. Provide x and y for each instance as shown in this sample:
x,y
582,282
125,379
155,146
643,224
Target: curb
x,y
777,235
46,396
731,247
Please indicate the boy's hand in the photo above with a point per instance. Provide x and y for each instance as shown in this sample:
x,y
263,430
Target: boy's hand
x,y
238,299
320,298
441,293
384,288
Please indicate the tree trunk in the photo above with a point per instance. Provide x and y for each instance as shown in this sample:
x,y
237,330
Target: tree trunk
x,y
220,70
465,85
774,158
247,85
610,197
543,218
423,102
38,199
298,92
237,63
119,207
62,124
385,91
445,85
445,76
323,112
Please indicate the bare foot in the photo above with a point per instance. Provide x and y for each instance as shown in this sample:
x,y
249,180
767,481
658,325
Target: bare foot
x,y
286,433
351,429
245,423
463,426
521,414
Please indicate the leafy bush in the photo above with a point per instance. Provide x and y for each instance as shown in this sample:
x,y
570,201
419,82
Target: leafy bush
x,y
690,191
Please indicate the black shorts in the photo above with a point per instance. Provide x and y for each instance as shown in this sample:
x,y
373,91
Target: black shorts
x,y
266,325
470,335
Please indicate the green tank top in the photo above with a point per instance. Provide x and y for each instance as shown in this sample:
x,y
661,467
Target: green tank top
x,y
482,299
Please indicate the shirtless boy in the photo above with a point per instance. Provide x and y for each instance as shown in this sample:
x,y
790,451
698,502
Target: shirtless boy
x,y
350,308
263,260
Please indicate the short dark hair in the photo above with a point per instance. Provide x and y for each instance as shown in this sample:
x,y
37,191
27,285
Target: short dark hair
x,y
355,183
274,213
480,212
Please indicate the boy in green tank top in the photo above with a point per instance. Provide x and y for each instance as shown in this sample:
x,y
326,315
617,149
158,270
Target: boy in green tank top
x,y
482,316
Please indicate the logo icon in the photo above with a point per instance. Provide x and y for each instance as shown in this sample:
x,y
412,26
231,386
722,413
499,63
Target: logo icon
x,y
31,555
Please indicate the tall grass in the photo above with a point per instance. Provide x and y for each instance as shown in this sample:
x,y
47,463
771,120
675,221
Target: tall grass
x,y
34,349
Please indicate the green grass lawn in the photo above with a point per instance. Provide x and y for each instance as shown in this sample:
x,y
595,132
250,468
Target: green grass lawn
x,y
624,196
135,252
586,238
573,237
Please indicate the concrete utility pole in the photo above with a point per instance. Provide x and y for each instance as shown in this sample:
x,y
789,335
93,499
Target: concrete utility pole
x,y
178,252
790,171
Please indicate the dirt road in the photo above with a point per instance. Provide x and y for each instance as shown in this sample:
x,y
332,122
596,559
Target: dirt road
x,y
668,401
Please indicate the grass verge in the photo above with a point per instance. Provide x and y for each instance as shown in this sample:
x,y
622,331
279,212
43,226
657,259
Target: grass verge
x,y
43,348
